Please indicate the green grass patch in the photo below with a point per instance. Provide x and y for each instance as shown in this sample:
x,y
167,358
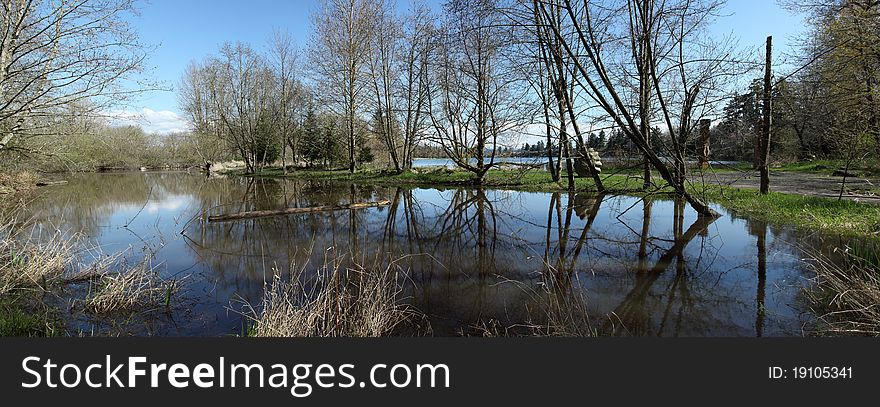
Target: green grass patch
x,y
815,166
827,167
845,217
18,321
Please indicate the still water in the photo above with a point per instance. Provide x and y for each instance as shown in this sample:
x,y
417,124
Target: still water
x,y
470,256
532,161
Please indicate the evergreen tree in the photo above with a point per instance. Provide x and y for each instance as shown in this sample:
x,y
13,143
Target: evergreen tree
x,y
329,147
310,147
266,148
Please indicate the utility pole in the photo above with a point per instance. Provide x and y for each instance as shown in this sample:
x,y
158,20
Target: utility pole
x,y
764,157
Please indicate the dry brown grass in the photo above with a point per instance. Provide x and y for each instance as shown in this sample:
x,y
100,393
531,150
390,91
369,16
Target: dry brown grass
x,y
138,288
558,307
28,265
16,183
846,294
565,311
336,301
31,265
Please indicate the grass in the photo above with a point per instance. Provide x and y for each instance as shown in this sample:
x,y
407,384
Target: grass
x,y
815,166
27,271
847,292
558,308
334,300
827,167
356,300
16,183
29,266
133,289
842,217
35,275
18,320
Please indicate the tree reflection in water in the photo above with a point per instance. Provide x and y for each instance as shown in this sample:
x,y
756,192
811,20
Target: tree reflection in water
x,y
547,263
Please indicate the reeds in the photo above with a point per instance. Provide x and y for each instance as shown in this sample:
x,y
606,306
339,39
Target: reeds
x,y
846,294
339,298
139,288
557,307
36,272
19,182
29,265
565,311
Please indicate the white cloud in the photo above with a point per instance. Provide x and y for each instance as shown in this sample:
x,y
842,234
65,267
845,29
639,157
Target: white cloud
x,y
167,205
162,122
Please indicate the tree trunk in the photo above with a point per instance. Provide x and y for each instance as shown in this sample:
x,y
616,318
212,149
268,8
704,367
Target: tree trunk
x,y
351,162
764,157
646,131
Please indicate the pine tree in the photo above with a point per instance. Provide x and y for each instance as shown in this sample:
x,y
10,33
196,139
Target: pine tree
x,y
311,138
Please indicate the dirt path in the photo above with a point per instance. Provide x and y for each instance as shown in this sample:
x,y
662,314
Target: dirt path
x,y
858,189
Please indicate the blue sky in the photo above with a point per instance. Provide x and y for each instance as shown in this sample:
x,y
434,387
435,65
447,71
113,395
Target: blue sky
x,y
187,30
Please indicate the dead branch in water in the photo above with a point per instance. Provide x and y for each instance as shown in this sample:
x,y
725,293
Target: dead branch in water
x,y
294,211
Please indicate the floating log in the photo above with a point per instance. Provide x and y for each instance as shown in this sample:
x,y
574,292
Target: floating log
x,y
294,211
50,183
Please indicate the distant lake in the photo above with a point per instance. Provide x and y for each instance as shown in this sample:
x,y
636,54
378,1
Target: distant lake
x,y
447,163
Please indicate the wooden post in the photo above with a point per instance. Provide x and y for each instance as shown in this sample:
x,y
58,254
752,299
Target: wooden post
x,y
705,126
764,158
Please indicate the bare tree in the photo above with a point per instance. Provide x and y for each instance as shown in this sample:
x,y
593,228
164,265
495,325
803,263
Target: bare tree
x,y
383,73
476,99
632,52
398,68
561,78
339,54
290,98
643,26
57,53
194,96
415,50
232,96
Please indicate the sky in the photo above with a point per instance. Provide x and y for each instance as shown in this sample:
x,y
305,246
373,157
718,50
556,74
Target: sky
x,y
182,31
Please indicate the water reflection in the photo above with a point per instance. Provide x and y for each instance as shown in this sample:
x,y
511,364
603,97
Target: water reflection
x,y
643,266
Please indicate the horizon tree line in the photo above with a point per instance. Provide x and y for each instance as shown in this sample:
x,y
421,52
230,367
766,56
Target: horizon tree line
x,y
380,81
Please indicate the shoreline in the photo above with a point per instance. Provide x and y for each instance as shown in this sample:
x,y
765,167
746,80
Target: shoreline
x,y
846,218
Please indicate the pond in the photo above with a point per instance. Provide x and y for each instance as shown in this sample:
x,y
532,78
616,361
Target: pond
x,y
471,257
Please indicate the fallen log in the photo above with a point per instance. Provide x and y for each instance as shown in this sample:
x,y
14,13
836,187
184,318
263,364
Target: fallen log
x,y
294,211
